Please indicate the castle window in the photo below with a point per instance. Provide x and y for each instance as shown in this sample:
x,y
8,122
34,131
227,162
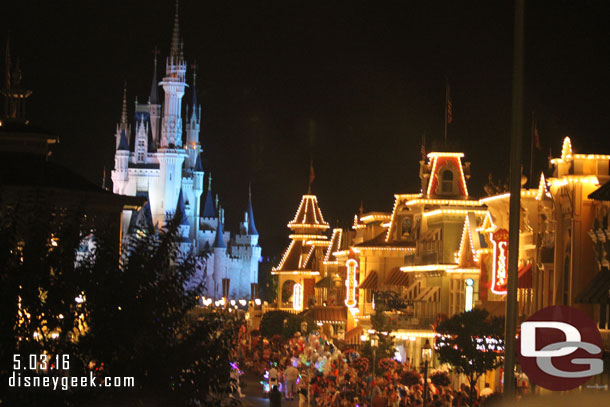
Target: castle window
x,y
447,181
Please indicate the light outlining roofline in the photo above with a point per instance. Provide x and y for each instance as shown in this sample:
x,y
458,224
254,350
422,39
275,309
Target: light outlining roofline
x,y
428,267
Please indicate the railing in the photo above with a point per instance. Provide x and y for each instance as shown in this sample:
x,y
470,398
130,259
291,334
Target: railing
x,y
274,308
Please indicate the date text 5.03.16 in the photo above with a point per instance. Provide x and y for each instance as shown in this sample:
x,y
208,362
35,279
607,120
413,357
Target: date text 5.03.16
x,y
41,362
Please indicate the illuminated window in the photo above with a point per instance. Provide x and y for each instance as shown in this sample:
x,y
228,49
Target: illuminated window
x,y
447,182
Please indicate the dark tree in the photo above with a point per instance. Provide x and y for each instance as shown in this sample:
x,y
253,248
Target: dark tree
x,y
385,348
472,343
284,323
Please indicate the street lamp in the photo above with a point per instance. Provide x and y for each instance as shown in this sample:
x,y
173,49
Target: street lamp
x,y
304,327
426,356
374,345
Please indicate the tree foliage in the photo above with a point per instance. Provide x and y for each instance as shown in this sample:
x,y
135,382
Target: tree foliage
x,y
135,314
385,348
272,323
471,342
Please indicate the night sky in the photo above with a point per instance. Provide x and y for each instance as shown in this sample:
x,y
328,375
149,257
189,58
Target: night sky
x,y
352,84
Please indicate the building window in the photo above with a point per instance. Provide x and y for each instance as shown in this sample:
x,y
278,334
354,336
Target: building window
x,y
447,182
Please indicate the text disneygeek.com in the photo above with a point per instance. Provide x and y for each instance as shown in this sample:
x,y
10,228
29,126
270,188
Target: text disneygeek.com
x,y
17,380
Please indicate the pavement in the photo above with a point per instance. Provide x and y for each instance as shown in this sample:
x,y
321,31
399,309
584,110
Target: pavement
x,y
254,393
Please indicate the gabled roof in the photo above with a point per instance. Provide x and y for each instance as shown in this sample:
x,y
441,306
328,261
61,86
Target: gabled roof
x,y
472,241
308,215
334,246
441,161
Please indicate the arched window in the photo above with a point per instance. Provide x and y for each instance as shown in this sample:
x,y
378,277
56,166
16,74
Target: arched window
x,y
447,181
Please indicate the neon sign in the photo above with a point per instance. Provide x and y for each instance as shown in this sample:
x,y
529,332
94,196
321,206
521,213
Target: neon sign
x,y
500,261
297,297
351,283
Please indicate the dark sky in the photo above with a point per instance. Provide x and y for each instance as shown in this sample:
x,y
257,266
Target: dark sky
x,y
370,76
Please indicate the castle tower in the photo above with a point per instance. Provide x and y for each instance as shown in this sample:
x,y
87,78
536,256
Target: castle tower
x,y
193,124
154,106
121,164
173,84
123,125
220,253
141,147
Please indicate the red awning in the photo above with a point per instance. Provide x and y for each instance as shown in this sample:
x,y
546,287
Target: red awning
x,y
370,281
397,278
525,276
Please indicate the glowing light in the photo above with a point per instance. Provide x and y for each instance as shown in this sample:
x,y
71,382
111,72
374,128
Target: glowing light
x,y
297,297
428,267
566,149
453,212
500,261
257,301
384,248
464,270
297,272
300,218
335,242
351,283
452,202
542,189
435,154
232,303
375,218
585,179
469,293
307,237
407,335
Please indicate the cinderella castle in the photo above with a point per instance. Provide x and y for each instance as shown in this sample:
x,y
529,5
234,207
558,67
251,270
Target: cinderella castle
x,y
159,157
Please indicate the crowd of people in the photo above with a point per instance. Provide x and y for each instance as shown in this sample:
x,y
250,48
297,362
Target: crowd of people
x,y
315,372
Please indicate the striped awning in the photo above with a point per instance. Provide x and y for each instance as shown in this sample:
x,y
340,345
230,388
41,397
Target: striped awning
x,y
397,278
370,282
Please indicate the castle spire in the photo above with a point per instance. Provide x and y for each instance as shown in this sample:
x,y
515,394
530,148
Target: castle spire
x,y
154,87
124,111
251,226
219,241
175,48
194,66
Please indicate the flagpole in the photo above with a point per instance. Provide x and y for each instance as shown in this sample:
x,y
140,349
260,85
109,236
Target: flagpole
x,y
446,108
532,150
510,348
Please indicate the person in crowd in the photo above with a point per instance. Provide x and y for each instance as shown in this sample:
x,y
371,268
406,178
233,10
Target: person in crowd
x,y
275,398
487,391
291,374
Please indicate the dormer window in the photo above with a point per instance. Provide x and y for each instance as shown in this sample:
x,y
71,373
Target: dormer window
x,y
447,182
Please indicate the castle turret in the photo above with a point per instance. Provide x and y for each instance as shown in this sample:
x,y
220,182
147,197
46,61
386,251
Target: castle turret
x,y
123,125
121,165
141,146
154,106
173,84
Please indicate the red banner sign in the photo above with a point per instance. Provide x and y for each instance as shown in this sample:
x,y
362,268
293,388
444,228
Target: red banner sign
x,y
500,261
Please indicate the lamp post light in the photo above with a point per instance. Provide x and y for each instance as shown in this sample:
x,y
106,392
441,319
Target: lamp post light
x,y
374,345
426,356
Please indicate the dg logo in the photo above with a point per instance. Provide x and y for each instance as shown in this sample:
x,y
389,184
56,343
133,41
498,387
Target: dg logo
x,y
560,348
